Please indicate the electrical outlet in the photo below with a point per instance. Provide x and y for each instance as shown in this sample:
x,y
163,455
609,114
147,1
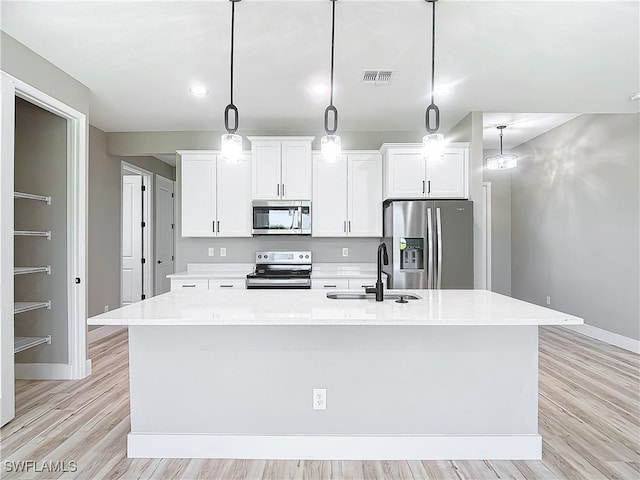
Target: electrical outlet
x,y
319,398
211,251
106,308
223,252
345,252
548,300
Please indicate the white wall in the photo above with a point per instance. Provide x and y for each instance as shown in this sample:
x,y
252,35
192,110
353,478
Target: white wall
x,y
576,218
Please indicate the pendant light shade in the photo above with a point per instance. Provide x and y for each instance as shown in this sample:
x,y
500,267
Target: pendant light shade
x,y
504,161
433,143
331,144
231,143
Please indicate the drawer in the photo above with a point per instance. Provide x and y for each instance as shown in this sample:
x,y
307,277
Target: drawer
x,y
227,284
186,284
360,283
330,283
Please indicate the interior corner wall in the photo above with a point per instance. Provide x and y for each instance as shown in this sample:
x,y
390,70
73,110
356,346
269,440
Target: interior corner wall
x,y
576,221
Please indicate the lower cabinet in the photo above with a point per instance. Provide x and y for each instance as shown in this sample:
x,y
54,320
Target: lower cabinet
x,y
227,284
204,284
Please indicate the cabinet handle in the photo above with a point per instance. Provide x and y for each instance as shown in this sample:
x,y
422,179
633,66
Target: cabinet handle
x,y
429,184
283,189
218,226
278,189
344,226
213,223
330,286
367,286
422,186
349,226
188,286
226,286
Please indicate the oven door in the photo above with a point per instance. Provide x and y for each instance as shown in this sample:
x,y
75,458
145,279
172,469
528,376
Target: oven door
x,y
281,218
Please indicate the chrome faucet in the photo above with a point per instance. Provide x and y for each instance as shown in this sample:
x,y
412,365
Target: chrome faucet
x,y
379,288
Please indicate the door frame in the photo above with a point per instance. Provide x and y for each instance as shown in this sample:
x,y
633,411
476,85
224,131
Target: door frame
x,y
167,181
148,287
78,365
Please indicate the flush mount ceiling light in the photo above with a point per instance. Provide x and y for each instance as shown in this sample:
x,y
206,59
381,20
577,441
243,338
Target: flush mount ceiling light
x,y
635,96
231,143
502,161
198,90
331,144
433,142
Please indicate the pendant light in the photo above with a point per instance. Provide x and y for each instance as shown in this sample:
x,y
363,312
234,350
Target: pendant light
x,y
433,142
231,143
502,161
331,144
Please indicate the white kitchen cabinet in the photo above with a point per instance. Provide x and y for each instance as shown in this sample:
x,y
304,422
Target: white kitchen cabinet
x,y
407,174
361,283
189,284
330,283
347,195
215,194
281,168
226,284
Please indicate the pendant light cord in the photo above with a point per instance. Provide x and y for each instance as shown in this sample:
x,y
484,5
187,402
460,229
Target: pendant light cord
x,y
233,18
333,35
433,50
231,107
501,140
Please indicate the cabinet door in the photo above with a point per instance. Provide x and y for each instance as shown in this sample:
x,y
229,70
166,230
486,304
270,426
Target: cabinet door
x,y
296,170
364,203
189,284
448,176
329,203
405,173
361,283
235,284
265,169
233,217
198,187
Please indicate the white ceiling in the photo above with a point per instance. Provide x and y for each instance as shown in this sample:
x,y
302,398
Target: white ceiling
x,y
501,57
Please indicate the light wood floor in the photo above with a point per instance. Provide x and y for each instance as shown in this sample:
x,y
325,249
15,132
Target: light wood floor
x,y
589,419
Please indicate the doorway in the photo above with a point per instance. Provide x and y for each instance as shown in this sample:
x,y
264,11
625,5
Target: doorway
x,y
164,234
136,280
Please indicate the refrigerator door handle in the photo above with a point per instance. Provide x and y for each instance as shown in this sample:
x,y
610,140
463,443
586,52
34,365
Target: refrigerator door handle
x,y
429,250
439,235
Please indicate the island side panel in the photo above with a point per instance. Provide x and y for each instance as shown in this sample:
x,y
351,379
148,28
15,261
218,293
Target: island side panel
x,y
246,380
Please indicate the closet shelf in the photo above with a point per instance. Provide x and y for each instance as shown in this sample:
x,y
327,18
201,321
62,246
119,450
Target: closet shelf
x,y
24,343
21,307
31,233
31,196
26,270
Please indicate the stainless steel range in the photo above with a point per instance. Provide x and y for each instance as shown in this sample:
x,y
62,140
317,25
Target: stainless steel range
x,y
281,270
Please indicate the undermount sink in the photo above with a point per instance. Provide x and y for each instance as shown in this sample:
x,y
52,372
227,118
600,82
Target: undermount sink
x,y
370,296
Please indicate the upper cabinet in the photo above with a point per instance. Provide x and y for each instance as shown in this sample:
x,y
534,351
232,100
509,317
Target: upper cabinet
x,y
216,195
347,195
407,174
281,168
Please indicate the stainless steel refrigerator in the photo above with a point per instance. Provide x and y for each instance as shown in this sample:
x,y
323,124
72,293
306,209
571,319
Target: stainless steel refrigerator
x,y
430,243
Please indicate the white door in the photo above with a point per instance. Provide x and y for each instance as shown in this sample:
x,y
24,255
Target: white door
x,y
131,239
265,169
406,174
296,170
365,195
233,188
198,194
329,203
164,228
447,176
7,130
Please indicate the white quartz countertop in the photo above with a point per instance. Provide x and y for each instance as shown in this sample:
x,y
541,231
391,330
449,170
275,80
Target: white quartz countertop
x,y
312,307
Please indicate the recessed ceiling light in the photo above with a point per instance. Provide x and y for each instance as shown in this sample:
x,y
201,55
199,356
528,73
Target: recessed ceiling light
x,y
198,90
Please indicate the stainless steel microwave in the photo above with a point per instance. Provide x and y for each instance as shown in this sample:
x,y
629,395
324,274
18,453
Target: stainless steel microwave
x,y
281,217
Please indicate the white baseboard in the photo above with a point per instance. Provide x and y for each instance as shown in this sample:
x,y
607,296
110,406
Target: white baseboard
x,y
607,337
102,332
330,447
43,371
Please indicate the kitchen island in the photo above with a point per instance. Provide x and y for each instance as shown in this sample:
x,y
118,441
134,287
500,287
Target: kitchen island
x,y
231,374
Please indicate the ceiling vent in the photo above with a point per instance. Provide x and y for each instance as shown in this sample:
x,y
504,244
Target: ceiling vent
x,y
377,77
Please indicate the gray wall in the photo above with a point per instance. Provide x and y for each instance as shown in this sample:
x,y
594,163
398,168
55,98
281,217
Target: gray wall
x,y
500,227
40,168
575,221
104,221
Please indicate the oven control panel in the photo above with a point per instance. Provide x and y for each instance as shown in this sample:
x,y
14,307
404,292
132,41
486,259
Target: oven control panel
x,y
284,258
